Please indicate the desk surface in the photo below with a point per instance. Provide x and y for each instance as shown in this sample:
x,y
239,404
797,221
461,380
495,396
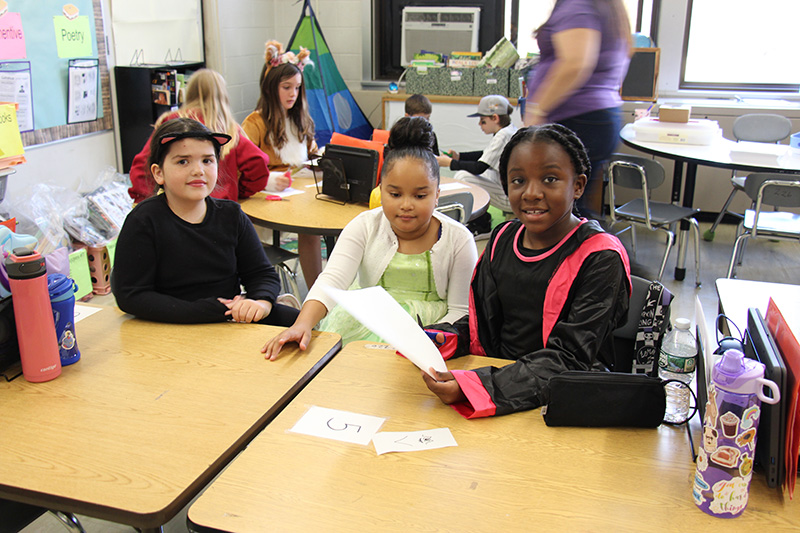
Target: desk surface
x,y
506,474
717,154
147,417
304,213
736,296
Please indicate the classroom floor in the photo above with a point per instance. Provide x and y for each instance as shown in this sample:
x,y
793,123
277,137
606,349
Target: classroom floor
x,y
764,260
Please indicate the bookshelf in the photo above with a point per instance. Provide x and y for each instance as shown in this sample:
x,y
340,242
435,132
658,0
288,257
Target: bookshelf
x,y
136,108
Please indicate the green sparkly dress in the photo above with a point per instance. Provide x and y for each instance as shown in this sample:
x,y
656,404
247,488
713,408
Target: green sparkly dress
x,y
409,279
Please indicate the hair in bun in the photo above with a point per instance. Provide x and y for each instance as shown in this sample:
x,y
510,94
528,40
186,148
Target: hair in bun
x,y
411,137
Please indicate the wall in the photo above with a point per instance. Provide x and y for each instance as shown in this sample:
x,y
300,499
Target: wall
x,y
236,31
65,163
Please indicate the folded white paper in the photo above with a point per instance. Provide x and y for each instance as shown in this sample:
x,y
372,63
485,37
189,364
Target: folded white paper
x,y
383,316
413,441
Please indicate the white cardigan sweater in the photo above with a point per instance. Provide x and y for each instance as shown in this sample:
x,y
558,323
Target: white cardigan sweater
x,y
367,244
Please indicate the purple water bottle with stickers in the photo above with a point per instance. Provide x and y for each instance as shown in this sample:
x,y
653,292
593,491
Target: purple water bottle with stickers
x,y
725,459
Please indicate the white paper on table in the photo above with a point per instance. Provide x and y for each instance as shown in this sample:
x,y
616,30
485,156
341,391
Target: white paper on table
x,y
82,311
413,441
338,425
288,191
452,185
317,184
383,316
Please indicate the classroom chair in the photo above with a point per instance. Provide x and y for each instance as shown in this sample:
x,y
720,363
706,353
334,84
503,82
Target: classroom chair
x,y
753,127
625,335
764,188
280,258
457,206
381,136
634,172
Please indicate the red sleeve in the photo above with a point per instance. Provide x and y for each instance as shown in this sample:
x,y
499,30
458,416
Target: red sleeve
x,y
253,167
142,183
479,404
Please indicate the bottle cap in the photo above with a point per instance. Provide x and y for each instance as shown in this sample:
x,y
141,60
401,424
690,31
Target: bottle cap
x,y
733,372
683,323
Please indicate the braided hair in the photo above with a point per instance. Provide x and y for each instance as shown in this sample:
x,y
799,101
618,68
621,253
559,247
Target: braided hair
x,y
411,137
547,133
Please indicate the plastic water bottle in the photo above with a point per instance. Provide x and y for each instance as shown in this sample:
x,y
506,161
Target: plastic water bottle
x,y
677,361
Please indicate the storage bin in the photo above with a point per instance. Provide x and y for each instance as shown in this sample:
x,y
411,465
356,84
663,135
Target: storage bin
x,y
490,80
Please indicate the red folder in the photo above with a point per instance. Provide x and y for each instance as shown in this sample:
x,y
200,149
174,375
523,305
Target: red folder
x,y
786,339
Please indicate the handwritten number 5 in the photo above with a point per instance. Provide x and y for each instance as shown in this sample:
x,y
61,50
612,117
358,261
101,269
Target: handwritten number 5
x,y
358,428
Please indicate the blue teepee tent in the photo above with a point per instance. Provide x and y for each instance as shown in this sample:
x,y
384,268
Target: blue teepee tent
x,y
330,102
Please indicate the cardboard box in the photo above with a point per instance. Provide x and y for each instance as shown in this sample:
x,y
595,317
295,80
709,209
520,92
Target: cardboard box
x,y
668,113
490,80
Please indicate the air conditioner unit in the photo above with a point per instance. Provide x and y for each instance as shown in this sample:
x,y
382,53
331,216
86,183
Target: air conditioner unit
x,y
438,29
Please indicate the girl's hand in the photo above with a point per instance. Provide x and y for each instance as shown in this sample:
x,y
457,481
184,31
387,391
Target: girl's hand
x,y
444,386
242,309
297,333
444,161
281,182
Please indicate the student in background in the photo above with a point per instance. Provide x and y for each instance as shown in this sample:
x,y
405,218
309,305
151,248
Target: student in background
x,y
481,167
575,276
243,168
282,127
418,105
585,47
422,258
183,256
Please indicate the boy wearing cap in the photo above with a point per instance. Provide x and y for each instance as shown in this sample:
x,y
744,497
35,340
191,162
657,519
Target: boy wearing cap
x,y
481,167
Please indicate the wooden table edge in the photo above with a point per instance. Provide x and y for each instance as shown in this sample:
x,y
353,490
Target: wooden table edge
x,y
155,519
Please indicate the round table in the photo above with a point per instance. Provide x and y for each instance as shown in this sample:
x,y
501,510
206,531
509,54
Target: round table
x,y
304,213
721,153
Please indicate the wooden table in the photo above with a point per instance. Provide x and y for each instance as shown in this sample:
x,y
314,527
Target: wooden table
x,y
718,155
304,213
508,473
147,417
736,296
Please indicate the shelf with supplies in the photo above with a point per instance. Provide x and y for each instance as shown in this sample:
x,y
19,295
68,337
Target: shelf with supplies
x,y
144,92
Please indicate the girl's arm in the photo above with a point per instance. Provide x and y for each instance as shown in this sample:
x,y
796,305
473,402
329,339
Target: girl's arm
x,y
577,51
462,266
600,302
133,281
142,184
300,332
253,167
257,275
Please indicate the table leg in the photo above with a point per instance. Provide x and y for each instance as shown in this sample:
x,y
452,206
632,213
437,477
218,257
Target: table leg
x,y
683,235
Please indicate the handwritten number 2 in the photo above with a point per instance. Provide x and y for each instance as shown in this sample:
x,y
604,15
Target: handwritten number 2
x,y
358,428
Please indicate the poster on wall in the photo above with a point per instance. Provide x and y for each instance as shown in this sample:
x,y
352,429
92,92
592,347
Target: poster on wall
x,y
73,32
12,36
83,76
15,86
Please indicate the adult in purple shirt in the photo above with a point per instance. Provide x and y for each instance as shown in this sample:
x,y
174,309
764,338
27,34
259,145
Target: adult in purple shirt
x,y
584,47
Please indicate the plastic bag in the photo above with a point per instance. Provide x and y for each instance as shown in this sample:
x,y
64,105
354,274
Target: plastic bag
x,y
39,210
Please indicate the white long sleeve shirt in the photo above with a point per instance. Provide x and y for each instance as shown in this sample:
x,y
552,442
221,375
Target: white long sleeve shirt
x,y
367,245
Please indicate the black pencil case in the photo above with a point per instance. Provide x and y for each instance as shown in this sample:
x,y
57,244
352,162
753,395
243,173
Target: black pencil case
x,y
605,399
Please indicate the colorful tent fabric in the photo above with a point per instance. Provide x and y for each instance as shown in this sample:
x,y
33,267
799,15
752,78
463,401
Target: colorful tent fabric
x,y
330,102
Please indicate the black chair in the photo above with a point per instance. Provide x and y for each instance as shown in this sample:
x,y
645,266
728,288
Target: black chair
x,y
280,257
625,335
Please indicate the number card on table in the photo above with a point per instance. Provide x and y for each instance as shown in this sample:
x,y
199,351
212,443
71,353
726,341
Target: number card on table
x,y
338,425
413,441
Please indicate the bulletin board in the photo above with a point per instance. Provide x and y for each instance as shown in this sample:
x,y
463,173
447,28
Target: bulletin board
x,y
44,37
641,81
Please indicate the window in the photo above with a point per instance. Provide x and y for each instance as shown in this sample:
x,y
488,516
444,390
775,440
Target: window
x,y
738,44
524,16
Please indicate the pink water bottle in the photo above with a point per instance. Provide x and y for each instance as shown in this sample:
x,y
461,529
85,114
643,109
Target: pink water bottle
x,y
33,314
